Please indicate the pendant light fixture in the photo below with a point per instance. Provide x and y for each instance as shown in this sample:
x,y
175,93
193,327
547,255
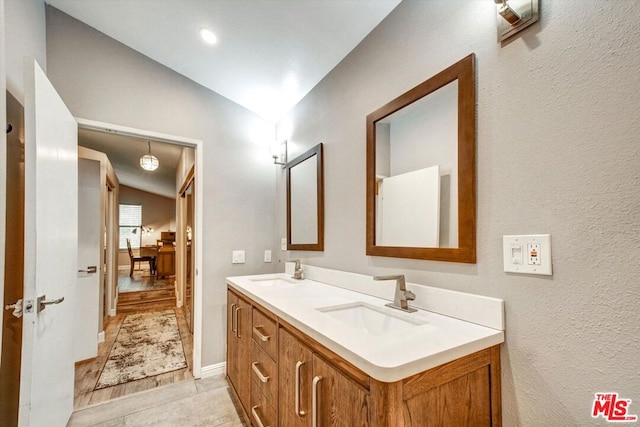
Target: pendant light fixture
x,y
149,162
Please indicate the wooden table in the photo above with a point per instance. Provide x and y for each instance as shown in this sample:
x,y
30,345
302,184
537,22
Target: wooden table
x,y
164,259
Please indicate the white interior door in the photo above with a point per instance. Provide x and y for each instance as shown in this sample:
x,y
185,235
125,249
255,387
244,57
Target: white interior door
x,y
51,226
89,260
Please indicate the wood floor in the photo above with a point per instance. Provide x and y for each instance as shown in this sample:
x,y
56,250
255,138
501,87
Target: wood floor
x,y
142,281
87,373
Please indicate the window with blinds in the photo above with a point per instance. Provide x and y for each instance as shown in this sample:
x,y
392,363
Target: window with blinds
x,y
130,225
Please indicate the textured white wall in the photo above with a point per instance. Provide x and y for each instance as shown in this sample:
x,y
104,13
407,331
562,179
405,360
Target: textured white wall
x,y
557,153
101,79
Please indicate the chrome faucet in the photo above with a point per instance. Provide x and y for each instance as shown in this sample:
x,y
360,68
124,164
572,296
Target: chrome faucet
x,y
298,272
402,295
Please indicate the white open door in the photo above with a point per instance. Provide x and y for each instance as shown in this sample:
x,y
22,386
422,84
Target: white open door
x,y
89,260
51,224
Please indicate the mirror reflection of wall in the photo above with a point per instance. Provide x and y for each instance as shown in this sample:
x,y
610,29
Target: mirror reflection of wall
x,y
305,201
417,173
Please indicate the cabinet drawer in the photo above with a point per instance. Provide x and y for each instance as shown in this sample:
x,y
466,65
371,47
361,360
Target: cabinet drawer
x,y
262,413
264,372
264,333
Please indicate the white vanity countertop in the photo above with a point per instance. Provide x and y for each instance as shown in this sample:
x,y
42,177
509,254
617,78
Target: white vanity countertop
x,y
387,357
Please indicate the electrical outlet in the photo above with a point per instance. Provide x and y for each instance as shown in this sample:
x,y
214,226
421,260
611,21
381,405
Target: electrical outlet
x,y
283,244
267,256
533,253
237,257
527,254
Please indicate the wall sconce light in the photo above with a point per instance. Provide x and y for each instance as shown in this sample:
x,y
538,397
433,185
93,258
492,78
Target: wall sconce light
x,y
514,16
279,153
149,162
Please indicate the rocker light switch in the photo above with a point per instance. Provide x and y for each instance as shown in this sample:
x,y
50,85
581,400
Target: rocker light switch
x,y
516,253
237,257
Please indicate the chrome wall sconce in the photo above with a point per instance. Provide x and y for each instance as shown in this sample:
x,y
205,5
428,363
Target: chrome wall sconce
x,y
279,153
514,16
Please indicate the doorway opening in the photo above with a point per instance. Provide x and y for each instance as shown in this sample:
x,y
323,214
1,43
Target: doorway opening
x,y
157,262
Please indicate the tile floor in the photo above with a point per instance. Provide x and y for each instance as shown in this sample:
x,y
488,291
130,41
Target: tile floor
x,y
193,403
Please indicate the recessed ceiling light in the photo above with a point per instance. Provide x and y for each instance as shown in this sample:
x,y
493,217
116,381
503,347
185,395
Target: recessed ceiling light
x,y
208,36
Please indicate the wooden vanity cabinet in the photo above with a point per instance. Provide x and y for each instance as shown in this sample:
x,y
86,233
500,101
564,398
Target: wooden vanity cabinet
x,y
239,347
463,392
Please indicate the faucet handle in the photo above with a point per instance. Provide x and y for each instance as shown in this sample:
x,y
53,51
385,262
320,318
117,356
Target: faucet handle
x,y
409,296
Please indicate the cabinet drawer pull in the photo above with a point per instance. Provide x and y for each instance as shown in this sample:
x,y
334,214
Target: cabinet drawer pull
x,y
260,335
264,378
256,416
297,403
314,401
233,319
238,323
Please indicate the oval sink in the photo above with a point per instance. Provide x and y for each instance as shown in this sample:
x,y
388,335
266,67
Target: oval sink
x,y
371,319
273,282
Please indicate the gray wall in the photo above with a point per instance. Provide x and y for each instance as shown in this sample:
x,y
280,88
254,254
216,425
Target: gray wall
x,y
557,153
101,79
25,36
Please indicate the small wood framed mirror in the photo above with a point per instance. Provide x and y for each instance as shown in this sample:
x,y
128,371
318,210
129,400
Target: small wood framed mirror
x,y
305,201
421,170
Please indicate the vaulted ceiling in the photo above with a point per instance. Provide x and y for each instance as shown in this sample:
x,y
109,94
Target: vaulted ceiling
x,y
269,53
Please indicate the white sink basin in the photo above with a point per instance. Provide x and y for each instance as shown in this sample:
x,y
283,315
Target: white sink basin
x,y
274,282
371,319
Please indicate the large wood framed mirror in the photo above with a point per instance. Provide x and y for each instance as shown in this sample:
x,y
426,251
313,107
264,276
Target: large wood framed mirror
x,y
421,170
305,201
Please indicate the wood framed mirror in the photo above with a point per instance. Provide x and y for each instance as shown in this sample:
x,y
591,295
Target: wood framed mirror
x,y
421,170
305,201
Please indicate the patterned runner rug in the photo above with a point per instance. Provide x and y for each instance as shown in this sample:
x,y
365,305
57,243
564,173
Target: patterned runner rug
x,y
147,344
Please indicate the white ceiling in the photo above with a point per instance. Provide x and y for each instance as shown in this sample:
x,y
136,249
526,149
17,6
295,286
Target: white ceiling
x,y
124,153
269,55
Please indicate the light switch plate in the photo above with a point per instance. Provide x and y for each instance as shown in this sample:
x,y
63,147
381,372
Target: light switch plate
x,y
237,257
527,254
267,255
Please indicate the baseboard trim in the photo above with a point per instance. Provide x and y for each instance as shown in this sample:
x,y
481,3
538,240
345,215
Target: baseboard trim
x,y
213,370
100,337
178,299
113,311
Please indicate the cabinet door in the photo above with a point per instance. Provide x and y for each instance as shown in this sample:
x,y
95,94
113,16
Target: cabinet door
x,y
239,346
243,357
295,363
338,400
232,343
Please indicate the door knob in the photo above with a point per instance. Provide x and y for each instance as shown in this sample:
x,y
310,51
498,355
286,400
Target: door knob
x,y
16,307
43,302
90,269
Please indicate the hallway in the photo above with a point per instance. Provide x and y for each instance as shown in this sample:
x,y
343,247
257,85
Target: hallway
x,y
88,373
